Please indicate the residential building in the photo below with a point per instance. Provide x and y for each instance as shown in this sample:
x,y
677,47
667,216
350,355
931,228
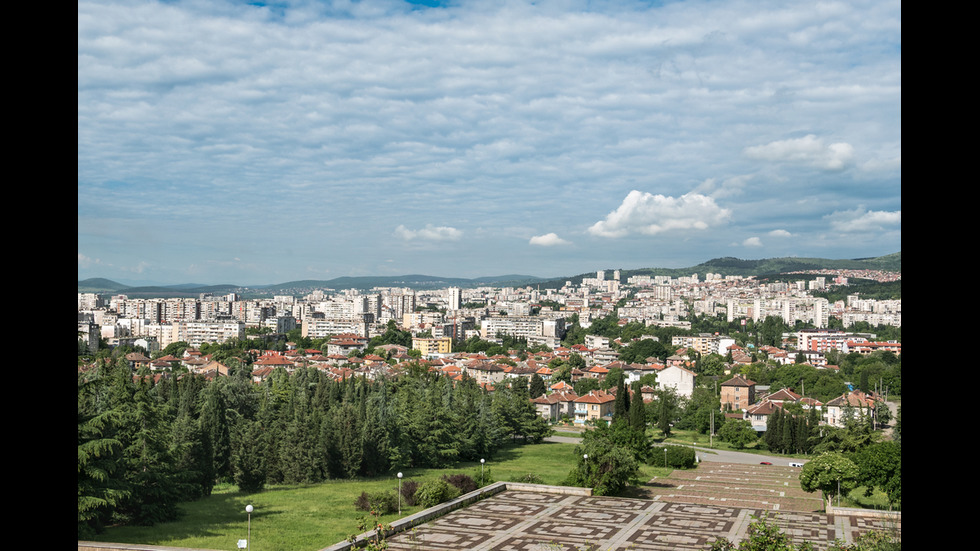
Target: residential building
x,y
597,404
432,346
737,393
850,406
678,378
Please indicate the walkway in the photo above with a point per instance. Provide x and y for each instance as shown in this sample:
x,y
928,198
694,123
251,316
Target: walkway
x,y
686,512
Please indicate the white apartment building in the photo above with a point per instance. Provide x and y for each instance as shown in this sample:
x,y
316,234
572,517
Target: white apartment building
x,y
528,327
195,333
315,328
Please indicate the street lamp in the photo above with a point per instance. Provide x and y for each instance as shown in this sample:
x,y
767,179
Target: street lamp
x,y
399,494
482,478
248,537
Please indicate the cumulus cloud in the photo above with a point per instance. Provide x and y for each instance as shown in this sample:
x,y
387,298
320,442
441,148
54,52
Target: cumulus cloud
x,y
752,242
429,233
861,220
548,240
808,150
649,214
780,233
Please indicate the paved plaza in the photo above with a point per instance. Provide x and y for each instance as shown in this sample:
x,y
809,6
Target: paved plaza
x,y
687,511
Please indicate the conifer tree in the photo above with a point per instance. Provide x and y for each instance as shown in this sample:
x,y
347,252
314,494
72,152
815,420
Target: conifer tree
x,y
214,424
248,457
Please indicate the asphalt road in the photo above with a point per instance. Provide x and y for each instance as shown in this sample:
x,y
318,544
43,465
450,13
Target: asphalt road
x,y
717,456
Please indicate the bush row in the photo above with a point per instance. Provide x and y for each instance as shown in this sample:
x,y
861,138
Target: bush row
x,y
426,494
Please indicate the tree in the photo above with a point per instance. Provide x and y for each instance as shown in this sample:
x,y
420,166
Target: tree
x,y
248,459
100,489
666,405
536,387
609,468
155,486
214,425
771,332
737,432
763,536
880,465
831,473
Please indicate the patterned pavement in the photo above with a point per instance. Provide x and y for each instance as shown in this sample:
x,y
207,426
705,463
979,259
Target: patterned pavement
x,y
532,521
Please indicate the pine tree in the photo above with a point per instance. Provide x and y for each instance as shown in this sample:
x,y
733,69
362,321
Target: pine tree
x,y
214,425
155,488
100,485
248,458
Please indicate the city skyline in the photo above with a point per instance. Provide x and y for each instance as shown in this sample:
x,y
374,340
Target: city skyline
x,y
257,143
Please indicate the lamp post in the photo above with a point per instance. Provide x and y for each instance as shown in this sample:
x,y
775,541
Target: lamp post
x,y
399,494
665,457
248,536
482,461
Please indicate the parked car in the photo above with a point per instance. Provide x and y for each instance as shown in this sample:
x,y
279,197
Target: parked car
x,y
765,463
794,464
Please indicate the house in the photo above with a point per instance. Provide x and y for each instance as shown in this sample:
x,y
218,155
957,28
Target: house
x,y
484,372
215,367
346,343
737,393
547,406
137,360
273,361
850,405
760,413
597,404
678,378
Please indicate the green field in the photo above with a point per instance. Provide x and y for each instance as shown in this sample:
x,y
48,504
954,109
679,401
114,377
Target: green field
x,y
311,517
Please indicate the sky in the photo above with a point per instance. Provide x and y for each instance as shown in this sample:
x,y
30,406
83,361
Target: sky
x,y
250,143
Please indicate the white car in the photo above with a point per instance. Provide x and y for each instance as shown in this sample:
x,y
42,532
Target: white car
x,y
796,464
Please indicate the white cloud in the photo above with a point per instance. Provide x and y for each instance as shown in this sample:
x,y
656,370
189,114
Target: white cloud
x,y
548,240
429,233
780,233
86,262
861,220
808,150
648,214
752,242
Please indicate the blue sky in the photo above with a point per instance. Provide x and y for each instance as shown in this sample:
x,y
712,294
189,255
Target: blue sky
x,y
250,143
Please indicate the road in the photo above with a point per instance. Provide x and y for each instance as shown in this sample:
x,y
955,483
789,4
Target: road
x,y
705,454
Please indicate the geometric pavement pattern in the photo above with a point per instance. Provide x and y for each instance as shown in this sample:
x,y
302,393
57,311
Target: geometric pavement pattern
x,y
532,521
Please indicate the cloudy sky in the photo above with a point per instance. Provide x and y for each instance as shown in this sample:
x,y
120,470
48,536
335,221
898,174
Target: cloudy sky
x,y
225,141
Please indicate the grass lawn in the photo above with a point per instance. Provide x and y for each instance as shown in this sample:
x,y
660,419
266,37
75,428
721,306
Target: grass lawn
x,y
311,517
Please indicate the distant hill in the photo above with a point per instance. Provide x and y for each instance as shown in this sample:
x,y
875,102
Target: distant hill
x,y
724,266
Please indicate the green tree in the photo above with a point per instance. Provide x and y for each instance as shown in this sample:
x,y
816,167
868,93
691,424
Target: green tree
x,y
832,473
248,458
771,332
100,487
215,428
666,405
608,469
737,432
763,535
537,387
880,466
154,485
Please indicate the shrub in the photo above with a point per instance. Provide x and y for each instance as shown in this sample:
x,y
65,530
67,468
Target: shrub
x,y
530,478
380,502
461,481
679,457
409,487
434,492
